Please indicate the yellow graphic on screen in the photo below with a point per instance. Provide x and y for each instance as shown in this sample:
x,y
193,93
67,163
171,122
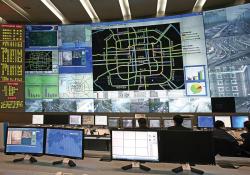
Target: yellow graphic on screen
x,y
196,88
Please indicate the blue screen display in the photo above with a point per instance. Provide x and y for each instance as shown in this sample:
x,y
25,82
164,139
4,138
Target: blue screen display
x,y
25,140
205,121
63,142
238,121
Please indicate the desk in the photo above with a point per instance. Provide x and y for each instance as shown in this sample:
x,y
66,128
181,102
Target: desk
x,y
98,143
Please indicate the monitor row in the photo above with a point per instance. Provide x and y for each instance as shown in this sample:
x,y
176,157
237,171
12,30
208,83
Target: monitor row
x,y
205,121
50,141
141,145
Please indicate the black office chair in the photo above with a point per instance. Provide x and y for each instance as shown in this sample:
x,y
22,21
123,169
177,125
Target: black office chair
x,y
224,147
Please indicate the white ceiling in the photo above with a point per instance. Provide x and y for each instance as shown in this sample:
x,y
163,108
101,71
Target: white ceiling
x,y
107,10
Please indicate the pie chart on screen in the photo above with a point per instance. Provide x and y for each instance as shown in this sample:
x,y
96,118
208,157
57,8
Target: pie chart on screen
x,y
196,88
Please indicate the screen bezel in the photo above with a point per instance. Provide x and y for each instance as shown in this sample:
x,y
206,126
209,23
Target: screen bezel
x,y
205,116
134,130
29,153
65,156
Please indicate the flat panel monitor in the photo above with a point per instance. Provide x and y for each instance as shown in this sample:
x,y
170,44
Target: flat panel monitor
x,y
186,147
101,120
88,120
225,119
187,123
238,121
75,119
135,145
24,140
64,142
205,121
154,123
168,123
127,123
223,104
56,119
37,119
113,122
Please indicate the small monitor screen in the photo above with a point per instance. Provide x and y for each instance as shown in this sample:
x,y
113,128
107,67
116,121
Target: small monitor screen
x,y
88,120
225,119
25,140
64,142
154,123
238,121
135,145
205,121
37,119
56,119
168,123
127,123
101,120
113,123
75,120
187,123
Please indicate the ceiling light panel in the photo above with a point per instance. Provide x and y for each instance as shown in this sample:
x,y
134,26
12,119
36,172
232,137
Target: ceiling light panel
x,y
90,10
18,9
124,4
161,8
55,11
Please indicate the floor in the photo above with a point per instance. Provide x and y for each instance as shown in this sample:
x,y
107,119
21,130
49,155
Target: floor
x,y
92,166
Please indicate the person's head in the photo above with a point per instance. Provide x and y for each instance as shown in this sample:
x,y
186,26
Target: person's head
x,y
219,124
142,123
247,125
178,120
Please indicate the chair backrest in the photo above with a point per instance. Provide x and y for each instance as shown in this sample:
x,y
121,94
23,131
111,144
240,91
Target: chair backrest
x,y
226,148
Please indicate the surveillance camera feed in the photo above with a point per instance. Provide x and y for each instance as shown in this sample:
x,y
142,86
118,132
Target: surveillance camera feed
x,y
25,140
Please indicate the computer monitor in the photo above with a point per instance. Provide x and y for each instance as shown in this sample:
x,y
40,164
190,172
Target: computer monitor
x,y
88,120
113,122
225,119
22,140
127,123
168,123
205,121
186,147
37,119
238,121
101,120
134,145
187,123
154,123
56,119
64,142
75,119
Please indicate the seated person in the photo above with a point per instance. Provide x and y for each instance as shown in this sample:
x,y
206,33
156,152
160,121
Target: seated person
x,y
142,123
246,137
178,120
225,144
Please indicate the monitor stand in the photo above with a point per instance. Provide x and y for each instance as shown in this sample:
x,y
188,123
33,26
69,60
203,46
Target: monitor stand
x,y
26,157
188,168
136,165
65,161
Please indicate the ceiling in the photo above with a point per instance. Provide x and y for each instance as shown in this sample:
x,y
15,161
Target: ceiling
x,y
107,10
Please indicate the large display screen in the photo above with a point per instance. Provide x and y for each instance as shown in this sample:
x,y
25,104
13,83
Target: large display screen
x,y
25,140
155,65
11,68
135,145
64,142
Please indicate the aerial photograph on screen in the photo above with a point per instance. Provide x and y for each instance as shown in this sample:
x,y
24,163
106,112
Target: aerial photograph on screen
x,y
139,105
85,105
138,58
158,105
33,105
227,34
242,104
120,105
103,105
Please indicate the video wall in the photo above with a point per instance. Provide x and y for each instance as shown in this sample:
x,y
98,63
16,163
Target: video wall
x,y
156,65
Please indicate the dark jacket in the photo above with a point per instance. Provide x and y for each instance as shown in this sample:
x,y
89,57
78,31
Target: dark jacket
x,y
178,128
246,141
